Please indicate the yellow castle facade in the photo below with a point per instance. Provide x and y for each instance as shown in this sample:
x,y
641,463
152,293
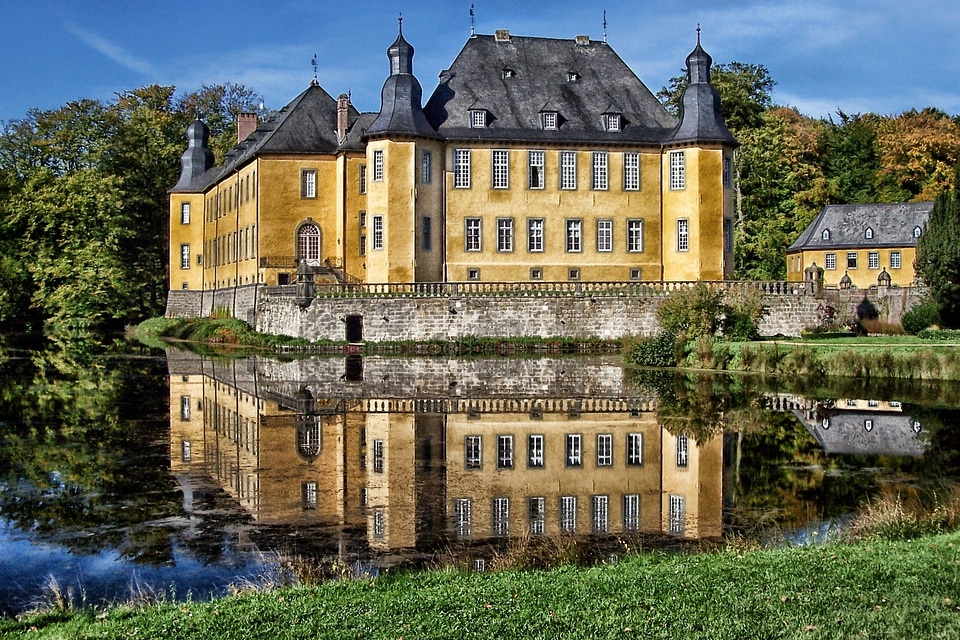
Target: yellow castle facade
x,y
535,159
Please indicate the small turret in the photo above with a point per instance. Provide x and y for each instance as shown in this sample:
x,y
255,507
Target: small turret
x,y
198,158
700,117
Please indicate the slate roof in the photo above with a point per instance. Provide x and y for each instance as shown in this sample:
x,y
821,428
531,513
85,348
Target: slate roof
x,y
700,117
540,82
401,97
891,434
892,226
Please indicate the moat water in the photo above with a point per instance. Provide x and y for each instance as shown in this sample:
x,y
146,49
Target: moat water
x,y
131,473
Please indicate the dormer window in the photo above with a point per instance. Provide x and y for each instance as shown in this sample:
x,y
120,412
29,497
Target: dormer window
x,y
611,121
573,76
478,119
868,234
825,235
549,120
916,232
509,73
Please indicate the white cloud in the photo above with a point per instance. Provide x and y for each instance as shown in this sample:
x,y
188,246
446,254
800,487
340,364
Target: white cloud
x,y
112,51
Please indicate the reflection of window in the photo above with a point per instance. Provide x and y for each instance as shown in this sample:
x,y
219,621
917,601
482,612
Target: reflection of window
x,y
379,523
604,450
378,456
868,425
631,512
574,450
601,514
184,407
535,451
682,452
186,451
462,517
536,509
308,438
677,514
472,452
501,516
635,449
568,513
308,492
504,452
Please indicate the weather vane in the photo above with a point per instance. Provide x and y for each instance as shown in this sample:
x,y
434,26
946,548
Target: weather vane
x,y
604,25
472,22
314,63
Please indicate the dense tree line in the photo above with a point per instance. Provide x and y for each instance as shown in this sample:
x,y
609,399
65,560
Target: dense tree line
x,y
83,203
83,188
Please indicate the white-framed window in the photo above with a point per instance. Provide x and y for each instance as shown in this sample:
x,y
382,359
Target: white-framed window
x,y
535,235
501,169
631,171
378,457
851,260
574,236
463,517
635,236
677,514
504,234
868,233
461,168
377,243
868,425
505,452
830,261
631,512
426,167
535,169
427,233
473,274
537,514
308,183
604,235
473,452
308,242
611,121
472,234
378,165
549,120
568,169
678,171
184,256
379,523
604,449
478,118
535,451
362,248
873,260
917,231
536,273
683,235
362,178
683,445
184,213
600,514
308,492
634,449
574,450
894,259
601,171
568,513
825,234
501,516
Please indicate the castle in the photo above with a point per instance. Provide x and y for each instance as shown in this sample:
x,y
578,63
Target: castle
x,y
535,159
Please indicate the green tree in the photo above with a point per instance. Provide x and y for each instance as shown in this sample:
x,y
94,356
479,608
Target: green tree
x,y
850,159
938,257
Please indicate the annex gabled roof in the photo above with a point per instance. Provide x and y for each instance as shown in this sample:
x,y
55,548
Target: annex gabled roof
x,y
512,78
892,225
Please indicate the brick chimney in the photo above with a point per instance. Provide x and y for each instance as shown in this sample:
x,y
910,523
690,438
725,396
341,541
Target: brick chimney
x,y
246,124
343,116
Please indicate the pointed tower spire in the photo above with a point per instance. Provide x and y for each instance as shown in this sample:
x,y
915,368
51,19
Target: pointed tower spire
x,y
700,116
400,53
400,99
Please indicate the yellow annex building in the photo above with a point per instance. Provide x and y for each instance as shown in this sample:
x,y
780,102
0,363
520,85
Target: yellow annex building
x,y
535,159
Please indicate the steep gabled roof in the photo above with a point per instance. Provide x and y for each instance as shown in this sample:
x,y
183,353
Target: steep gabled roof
x,y
892,225
515,78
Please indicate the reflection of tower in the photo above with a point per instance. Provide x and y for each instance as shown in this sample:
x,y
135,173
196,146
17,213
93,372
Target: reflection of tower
x,y
692,494
390,482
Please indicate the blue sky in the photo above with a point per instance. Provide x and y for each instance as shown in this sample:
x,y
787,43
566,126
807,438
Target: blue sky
x,y
884,56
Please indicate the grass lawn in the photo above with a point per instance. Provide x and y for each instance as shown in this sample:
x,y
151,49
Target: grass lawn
x,y
907,589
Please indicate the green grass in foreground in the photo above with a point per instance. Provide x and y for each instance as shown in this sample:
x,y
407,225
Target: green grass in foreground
x,y
908,589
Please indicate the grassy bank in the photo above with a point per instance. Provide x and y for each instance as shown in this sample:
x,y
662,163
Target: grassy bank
x,y
905,589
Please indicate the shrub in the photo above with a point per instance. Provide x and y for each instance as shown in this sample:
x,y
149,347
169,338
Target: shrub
x,y
743,316
920,316
655,351
695,311
939,334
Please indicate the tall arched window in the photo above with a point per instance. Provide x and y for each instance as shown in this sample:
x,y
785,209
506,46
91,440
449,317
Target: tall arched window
x,y
308,242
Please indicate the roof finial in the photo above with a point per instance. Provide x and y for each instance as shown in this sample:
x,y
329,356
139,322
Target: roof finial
x,y
400,20
473,24
314,63
604,25
698,34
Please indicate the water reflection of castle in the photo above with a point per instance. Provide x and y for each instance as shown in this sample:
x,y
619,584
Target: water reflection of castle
x,y
540,446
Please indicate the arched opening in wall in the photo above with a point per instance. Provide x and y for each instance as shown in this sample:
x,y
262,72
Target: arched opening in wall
x,y
309,242
354,328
